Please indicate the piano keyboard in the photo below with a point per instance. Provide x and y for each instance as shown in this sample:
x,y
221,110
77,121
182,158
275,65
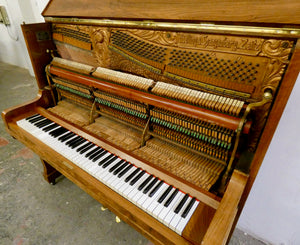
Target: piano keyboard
x,y
162,201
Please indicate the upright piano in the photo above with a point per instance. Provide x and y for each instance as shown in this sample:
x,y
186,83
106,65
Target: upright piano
x,y
160,110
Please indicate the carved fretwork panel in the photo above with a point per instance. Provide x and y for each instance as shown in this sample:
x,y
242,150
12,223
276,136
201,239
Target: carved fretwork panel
x,y
241,67
230,65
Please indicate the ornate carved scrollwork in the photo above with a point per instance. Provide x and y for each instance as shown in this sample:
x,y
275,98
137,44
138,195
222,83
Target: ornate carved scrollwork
x,y
278,51
158,37
100,40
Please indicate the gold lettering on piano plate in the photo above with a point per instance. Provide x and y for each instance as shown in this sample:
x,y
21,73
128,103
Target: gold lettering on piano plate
x,y
214,42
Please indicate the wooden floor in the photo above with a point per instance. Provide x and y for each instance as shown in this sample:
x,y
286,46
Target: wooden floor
x,y
34,212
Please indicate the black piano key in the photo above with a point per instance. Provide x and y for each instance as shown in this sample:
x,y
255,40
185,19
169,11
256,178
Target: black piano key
x,y
109,162
156,188
132,174
87,148
145,182
48,128
67,137
135,179
61,138
33,120
55,133
31,117
45,120
116,165
119,169
42,123
79,142
109,157
92,151
125,170
100,155
84,146
96,153
180,205
152,183
188,208
170,199
74,139
166,192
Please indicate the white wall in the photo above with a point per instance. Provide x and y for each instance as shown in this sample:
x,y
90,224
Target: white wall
x,y
12,44
272,211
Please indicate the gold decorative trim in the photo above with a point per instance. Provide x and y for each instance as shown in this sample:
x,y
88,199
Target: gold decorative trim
x,y
190,27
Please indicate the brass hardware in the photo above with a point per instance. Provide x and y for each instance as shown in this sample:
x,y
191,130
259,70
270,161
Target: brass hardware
x,y
103,208
145,131
93,109
118,220
186,27
267,97
48,75
51,52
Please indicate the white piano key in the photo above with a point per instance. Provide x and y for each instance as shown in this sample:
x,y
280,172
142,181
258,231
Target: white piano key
x,y
175,220
183,221
152,203
160,206
168,217
117,183
135,190
165,210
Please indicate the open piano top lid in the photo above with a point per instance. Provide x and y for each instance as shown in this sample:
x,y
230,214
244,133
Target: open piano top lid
x,y
281,12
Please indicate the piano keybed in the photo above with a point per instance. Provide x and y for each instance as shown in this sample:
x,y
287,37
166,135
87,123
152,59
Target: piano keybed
x,y
195,169
161,200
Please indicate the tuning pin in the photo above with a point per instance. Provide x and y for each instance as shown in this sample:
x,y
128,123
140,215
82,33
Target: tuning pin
x,y
118,220
103,208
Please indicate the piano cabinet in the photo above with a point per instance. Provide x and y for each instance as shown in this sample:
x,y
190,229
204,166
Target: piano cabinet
x,y
97,77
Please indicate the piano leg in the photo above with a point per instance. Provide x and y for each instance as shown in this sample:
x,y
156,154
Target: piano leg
x,y
50,174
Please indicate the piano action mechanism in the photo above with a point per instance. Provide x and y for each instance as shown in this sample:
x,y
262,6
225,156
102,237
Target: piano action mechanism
x,y
165,121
